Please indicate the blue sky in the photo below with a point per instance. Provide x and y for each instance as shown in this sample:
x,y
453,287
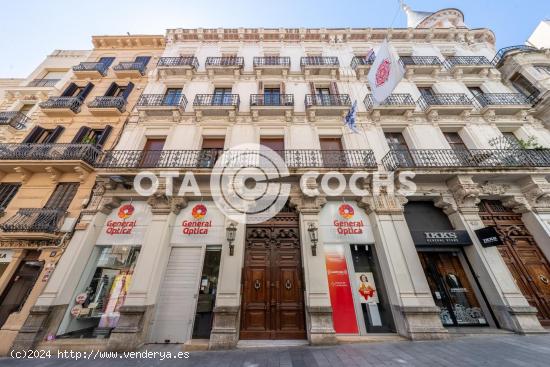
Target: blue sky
x,y
32,29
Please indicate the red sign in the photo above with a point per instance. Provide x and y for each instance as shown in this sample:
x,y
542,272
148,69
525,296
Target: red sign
x,y
199,226
123,226
343,311
346,227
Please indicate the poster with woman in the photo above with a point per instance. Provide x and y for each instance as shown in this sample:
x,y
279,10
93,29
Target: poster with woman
x,y
366,288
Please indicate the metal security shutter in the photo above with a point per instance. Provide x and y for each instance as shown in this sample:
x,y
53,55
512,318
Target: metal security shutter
x,y
177,299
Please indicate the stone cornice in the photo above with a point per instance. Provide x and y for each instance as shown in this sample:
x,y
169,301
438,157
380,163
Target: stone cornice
x,y
128,42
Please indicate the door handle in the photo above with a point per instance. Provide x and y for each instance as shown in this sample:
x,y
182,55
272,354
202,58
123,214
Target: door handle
x,y
288,284
257,284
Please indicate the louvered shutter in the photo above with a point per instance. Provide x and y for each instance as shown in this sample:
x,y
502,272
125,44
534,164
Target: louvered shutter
x,y
143,60
33,135
111,90
56,133
104,135
84,93
107,61
82,132
128,90
69,91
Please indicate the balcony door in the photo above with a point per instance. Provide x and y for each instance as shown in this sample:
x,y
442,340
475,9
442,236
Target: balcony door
x,y
332,153
222,96
400,149
461,154
172,97
152,152
276,144
212,149
62,196
272,96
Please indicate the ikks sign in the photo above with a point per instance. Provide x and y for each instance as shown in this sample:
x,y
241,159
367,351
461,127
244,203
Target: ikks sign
x,y
199,223
345,223
488,237
126,225
439,238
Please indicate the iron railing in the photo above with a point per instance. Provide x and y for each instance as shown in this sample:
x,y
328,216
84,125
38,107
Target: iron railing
x,y
283,61
225,61
319,61
47,220
497,99
219,100
92,66
206,158
15,119
108,102
444,99
327,100
272,100
72,103
453,61
503,51
162,100
362,60
43,82
131,65
49,152
398,99
420,60
475,158
179,61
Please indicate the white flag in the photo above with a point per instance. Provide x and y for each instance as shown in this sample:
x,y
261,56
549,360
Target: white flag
x,y
386,72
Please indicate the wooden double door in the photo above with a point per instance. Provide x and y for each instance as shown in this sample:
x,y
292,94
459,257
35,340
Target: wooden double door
x,y
521,254
272,288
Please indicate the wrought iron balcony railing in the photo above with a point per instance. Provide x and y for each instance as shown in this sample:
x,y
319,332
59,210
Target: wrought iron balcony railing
x,y
398,99
217,100
43,82
225,61
503,51
46,220
420,60
162,100
132,65
272,61
362,60
319,61
499,99
15,119
92,66
453,61
474,158
71,103
444,99
108,102
49,152
327,100
206,158
272,100
179,61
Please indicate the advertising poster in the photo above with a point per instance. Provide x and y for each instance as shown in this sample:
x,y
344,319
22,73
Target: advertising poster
x,y
343,311
366,287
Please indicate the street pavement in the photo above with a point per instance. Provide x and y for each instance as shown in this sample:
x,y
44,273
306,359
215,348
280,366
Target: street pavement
x,y
488,350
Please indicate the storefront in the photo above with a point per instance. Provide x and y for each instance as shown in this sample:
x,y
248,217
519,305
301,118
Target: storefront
x,y
440,248
185,304
358,296
105,280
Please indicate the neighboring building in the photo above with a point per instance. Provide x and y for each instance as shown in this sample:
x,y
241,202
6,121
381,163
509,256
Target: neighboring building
x,y
540,38
47,165
170,269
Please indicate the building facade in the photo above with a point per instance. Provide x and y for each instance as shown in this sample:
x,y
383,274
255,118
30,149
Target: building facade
x,y
175,269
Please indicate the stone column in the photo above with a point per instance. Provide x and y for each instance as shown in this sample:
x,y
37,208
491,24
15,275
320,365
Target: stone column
x,y
415,313
510,307
536,190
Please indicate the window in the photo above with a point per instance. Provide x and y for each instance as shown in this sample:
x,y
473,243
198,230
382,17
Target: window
x,y
7,193
152,152
543,69
222,96
396,141
272,96
80,92
476,91
426,91
524,86
455,141
511,141
107,61
172,96
86,135
62,196
39,135
212,149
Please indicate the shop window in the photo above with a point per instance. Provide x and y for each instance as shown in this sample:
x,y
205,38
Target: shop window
x,y
207,294
95,308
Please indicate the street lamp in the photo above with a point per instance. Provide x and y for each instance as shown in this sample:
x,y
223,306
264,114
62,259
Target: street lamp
x,y
230,235
313,237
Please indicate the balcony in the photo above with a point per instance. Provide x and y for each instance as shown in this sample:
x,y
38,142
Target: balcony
x,y
206,158
445,103
35,221
271,65
473,158
459,65
394,105
43,83
216,105
92,70
15,119
61,106
320,65
502,103
161,104
35,157
130,69
362,64
327,105
177,66
107,106
272,105
421,65
227,65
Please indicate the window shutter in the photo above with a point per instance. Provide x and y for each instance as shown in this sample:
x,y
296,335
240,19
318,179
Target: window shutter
x,y
62,196
333,88
107,61
260,87
312,87
33,135
104,135
111,90
87,89
54,135
143,59
82,132
69,91
128,90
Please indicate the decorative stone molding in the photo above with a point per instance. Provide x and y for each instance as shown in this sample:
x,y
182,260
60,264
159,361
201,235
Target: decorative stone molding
x,y
82,173
446,203
24,173
383,203
536,190
177,204
55,174
109,203
517,203
489,188
465,192
433,116
307,204
160,203
490,116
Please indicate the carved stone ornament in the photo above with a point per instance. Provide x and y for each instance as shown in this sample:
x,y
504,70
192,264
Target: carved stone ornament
x,y
446,203
109,203
383,203
307,204
465,192
536,190
489,188
517,203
